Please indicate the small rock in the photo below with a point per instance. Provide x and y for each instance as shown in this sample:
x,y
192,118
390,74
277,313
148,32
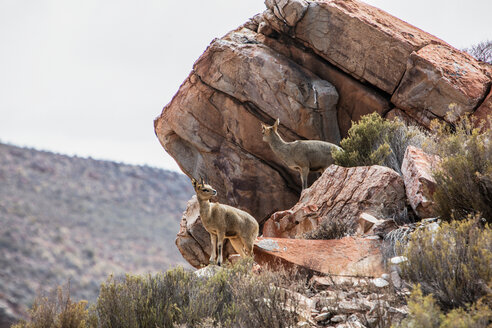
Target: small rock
x,y
398,259
324,309
385,276
396,280
380,282
372,237
208,271
395,310
348,307
355,321
338,318
322,317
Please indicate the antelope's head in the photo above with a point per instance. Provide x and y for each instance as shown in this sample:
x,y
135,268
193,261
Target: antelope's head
x,y
203,190
267,130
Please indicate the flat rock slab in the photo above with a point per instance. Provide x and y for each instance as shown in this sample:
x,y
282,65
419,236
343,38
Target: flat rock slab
x,y
351,256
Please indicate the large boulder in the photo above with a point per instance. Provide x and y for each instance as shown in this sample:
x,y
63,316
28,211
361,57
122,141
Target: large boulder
x,y
441,80
341,195
352,256
362,40
318,66
417,169
249,71
355,98
212,127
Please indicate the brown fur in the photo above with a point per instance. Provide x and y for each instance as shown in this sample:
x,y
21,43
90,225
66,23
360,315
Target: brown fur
x,y
224,221
300,155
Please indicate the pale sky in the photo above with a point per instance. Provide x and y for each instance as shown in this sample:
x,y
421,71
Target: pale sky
x,y
88,77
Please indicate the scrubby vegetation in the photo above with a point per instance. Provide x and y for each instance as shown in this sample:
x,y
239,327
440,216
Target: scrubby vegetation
x,y
63,217
464,178
453,262
450,264
58,310
231,297
329,229
377,141
425,313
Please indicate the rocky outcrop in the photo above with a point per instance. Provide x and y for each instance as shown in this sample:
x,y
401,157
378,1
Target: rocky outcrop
x,y
318,66
212,126
348,256
341,195
364,41
443,81
417,169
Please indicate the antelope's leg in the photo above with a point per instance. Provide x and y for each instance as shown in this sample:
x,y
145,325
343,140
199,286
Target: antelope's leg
x,y
304,177
220,246
213,254
238,245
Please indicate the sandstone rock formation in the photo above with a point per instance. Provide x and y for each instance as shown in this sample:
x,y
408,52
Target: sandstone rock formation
x,y
417,169
342,195
483,114
318,66
349,256
443,81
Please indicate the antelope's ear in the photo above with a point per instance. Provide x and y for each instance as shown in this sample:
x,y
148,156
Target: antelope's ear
x,y
275,125
194,182
263,127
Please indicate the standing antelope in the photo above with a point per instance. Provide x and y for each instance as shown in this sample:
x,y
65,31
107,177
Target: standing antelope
x,y
300,155
224,221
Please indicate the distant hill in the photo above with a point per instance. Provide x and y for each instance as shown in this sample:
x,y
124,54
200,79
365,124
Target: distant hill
x,y
81,219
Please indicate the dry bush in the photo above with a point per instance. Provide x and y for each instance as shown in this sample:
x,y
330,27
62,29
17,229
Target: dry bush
x,y
59,311
376,141
464,178
453,262
145,301
424,312
232,296
329,229
481,51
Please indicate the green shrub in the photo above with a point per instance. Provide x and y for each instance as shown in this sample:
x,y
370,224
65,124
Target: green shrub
x,y
150,301
59,311
377,141
232,296
454,262
425,313
464,178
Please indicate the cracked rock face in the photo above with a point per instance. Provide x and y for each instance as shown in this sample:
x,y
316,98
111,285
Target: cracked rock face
x,y
341,195
417,169
317,66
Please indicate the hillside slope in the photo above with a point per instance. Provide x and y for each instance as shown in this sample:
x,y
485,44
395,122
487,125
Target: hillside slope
x,y
81,219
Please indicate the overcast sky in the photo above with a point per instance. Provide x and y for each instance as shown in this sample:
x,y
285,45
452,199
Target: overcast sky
x,y
88,77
